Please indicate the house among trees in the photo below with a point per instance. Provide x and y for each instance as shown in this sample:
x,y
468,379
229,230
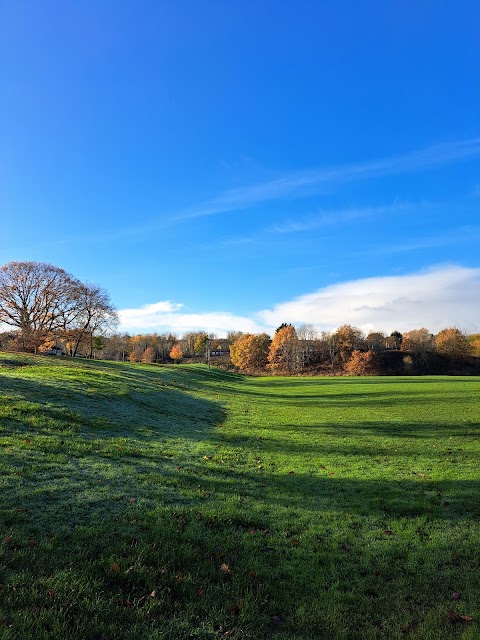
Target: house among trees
x,y
54,351
220,347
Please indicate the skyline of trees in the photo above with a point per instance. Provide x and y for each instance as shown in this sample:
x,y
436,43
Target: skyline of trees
x,y
44,306
295,349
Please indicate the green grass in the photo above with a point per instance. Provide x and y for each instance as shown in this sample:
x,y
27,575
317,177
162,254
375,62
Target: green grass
x,y
143,501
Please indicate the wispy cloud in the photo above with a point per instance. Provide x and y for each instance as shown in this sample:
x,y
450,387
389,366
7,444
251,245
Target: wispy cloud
x,y
297,184
436,298
319,220
333,217
449,237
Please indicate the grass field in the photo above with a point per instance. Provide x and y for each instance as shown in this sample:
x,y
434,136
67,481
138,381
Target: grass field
x,y
143,501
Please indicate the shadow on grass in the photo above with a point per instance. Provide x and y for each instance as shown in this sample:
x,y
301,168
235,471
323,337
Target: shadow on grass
x,y
99,487
324,560
327,492
401,430
97,525
360,380
125,404
82,441
358,399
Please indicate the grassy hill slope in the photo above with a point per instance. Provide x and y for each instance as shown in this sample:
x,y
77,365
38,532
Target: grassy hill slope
x,y
143,501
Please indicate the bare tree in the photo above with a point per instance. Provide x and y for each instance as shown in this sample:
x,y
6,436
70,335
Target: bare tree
x,y
92,314
44,302
418,341
232,336
34,298
327,348
307,348
117,347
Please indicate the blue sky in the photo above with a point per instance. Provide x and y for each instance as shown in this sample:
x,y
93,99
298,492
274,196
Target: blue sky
x,y
223,164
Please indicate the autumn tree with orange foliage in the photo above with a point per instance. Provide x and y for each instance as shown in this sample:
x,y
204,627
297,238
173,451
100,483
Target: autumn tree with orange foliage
x,y
361,363
283,352
148,355
474,340
176,353
249,352
49,342
452,342
347,339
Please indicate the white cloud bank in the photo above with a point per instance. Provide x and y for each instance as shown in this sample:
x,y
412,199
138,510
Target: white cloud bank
x,y
436,298
164,317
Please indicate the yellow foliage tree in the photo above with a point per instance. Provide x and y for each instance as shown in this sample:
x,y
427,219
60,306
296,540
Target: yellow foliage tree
x,y
137,347
148,355
452,342
48,343
250,352
474,340
200,344
283,352
347,339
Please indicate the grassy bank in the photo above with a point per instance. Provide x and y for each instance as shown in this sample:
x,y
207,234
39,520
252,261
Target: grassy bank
x,y
143,501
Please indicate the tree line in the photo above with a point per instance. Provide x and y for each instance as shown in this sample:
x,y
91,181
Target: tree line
x,y
304,350
46,307
348,350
